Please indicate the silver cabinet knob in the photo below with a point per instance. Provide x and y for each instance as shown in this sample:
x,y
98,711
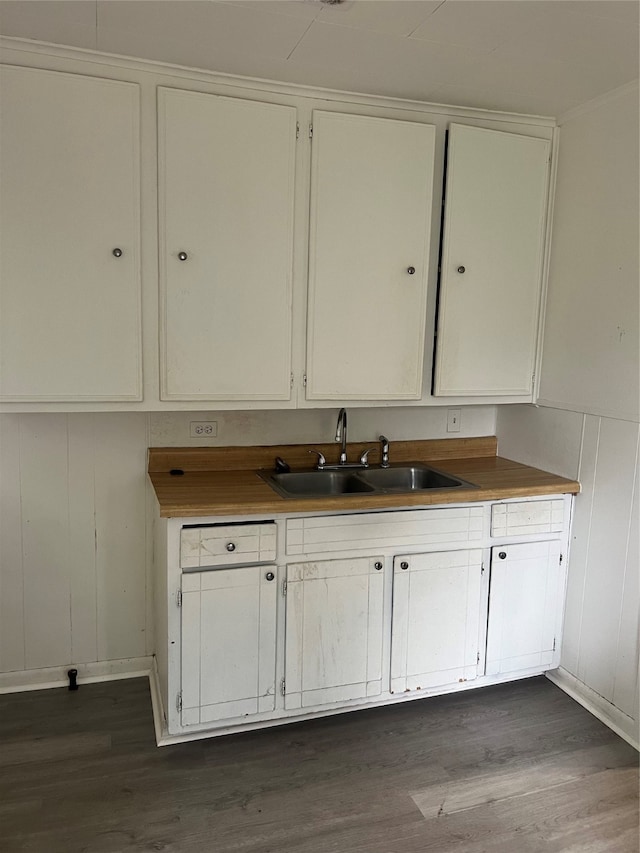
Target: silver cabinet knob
x,y
404,566
231,546
117,253
411,270
462,270
182,256
377,566
269,576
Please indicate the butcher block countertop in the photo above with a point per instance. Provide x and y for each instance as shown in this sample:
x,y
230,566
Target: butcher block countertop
x,y
222,481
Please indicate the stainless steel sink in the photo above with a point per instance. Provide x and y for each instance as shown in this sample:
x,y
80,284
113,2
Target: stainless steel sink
x,y
316,483
409,478
394,479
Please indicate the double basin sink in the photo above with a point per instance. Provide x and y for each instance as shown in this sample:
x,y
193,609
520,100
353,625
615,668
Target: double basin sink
x,y
413,477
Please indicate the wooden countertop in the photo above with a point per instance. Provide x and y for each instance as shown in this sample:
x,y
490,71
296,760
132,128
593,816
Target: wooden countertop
x,y
223,481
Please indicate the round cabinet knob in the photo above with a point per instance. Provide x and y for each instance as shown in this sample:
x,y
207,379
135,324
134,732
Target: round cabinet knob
x,y
411,270
117,253
182,256
462,270
269,576
231,546
404,565
502,555
377,566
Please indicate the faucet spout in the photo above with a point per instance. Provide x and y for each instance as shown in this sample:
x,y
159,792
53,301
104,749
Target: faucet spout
x,y
341,435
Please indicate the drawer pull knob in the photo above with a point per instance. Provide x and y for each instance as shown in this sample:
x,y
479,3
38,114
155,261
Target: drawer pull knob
x,y
269,576
502,555
231,546
404,565
377,566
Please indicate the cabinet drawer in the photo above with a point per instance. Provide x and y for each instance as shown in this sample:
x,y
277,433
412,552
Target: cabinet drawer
x,y
527,517
227,545
373,531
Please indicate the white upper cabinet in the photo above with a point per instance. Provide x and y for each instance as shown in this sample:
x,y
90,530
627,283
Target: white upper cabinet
x,y
492,253
226,193
69,238
371,202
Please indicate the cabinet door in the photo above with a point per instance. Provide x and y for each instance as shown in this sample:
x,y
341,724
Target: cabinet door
x,y
334,631
69,237
525,606
371,198
228,643
436,619
226,235
495,212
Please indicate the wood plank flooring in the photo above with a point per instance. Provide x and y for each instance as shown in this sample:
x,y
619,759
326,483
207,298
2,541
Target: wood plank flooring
x,y
519,768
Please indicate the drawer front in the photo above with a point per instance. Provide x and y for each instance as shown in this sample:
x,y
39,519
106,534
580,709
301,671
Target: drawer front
x,y
372,531
526,518
227,545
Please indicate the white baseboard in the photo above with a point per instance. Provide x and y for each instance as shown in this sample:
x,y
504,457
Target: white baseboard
x,y
56,676
596,704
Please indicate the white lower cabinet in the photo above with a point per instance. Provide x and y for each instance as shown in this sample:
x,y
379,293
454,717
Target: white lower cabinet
x,y
525,606
373,608
228,659
334,631
435,629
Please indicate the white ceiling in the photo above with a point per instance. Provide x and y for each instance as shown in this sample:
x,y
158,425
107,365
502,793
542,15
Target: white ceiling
x,y
534,56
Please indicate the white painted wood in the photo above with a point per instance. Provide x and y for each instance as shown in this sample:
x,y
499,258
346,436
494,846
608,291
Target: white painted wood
x,y
45,542
69,162
525,606
226,174
12,628
334,629
227,544
371,191
121,539
436,619
494,225
228,643
591,349
527,518
544,438
404,528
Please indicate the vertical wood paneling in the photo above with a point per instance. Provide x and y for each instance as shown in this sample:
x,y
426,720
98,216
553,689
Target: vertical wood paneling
x,y
82,540
606,561
12,652
625,694
120,476
45,535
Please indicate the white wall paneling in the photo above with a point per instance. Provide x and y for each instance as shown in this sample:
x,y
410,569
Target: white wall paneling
x,y
591,350
74,556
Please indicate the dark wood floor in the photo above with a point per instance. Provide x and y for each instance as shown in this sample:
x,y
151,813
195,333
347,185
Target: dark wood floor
x,y
519,768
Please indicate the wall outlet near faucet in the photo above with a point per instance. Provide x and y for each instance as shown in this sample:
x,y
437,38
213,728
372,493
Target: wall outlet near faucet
x,y
203,429
453,420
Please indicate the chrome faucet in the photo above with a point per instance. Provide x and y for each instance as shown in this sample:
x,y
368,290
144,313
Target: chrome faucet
x,y
384,451
341,435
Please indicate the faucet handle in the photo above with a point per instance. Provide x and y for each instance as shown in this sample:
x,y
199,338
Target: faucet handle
x,y
321,459
384,451
364,458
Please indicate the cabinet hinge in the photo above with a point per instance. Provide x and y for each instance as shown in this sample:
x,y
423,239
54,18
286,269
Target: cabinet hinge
x,y
292,380
310,131
482,568
179,598
533,380
283,687
478,658
297,130
179,701
304,380
560,560
554,644
284,587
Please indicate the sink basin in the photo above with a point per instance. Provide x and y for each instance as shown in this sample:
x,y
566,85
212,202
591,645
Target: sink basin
x,y
409,478
395,479
316,483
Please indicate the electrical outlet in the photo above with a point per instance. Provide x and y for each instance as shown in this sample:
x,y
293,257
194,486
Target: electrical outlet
x,y
203,429
453,420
